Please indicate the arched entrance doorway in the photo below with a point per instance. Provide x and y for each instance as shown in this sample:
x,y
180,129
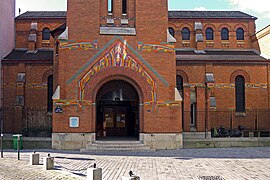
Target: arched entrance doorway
x,y
117,110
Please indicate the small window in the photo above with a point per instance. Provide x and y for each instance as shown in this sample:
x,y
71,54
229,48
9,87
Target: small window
x,y
240,93
124,7
224,34
46,34
179,83
209,34
240,34
171,31
19,101
21,77
57,48
210,78
185,34
110,6
50,94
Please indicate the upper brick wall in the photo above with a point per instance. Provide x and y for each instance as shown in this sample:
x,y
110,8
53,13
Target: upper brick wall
x,y
207,19
44,19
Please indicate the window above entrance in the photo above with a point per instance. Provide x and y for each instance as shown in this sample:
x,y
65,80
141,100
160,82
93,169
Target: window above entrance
x,y
118,19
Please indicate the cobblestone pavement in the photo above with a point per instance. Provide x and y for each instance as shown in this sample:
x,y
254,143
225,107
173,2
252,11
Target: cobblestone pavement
x,y
228,163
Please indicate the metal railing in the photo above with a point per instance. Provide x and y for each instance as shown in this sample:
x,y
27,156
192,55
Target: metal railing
x,y
30,122
255,120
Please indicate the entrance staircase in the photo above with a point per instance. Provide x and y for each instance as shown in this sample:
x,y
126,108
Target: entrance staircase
x,y
105,146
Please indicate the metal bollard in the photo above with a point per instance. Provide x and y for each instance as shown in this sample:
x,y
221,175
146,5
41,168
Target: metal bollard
x,y
131,177
48,162
94,173
34,158
2,148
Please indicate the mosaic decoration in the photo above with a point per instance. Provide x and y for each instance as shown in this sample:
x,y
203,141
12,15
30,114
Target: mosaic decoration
x,y
69,45
76,103
27,85
104,49
62,103
193,85
167,48
163,104
223,85
117,56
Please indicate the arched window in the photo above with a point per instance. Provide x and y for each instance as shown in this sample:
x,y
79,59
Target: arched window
x,y
50,93
110,6
57,48
224,34
240,94
46,34
171,31
240,34
209,34
124,6
185,34
179,83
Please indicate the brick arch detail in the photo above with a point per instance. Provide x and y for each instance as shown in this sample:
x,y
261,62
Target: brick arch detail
x,y
183,75
46,75
240,73
185,26
225,26
43,26
172,25
240,26
211,26
118,61
114,73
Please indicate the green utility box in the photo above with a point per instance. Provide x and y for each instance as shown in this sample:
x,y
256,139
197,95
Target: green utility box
x,y
15,142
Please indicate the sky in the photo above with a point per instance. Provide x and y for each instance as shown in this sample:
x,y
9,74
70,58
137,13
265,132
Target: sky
x,y
258,8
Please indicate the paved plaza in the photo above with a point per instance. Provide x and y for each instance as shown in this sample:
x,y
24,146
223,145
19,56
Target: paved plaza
x,y
229,164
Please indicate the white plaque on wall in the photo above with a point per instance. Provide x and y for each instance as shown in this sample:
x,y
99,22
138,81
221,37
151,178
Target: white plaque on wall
x,y
74,122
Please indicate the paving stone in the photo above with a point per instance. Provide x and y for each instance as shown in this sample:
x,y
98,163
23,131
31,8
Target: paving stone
x,y
183,164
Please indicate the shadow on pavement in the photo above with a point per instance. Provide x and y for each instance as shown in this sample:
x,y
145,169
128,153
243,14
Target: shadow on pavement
x,y
181,154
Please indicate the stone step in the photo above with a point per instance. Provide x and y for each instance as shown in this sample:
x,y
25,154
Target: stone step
x,y
117,142
117,146
116,150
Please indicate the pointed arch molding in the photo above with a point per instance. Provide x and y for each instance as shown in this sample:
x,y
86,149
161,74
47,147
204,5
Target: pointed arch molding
x,y
117,57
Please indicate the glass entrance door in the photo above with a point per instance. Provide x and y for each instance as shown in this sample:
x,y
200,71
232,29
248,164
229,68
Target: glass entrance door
x,y
115,122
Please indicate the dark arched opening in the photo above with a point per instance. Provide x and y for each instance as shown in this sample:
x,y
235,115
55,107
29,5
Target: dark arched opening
x,y
50,93
240,34
46,34
240,94
117,110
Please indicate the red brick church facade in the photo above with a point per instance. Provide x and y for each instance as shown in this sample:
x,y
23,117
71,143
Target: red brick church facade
x,y
133,69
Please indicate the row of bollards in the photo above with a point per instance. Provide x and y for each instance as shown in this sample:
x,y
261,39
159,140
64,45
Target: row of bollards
x,y
93,173
48,162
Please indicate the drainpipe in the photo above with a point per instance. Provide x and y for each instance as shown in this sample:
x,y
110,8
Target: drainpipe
x,y
206,109
2,114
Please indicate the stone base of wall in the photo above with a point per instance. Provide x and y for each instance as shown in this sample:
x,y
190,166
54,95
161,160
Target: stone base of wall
x,y
72,141
196,135
29,143
227,142
162,141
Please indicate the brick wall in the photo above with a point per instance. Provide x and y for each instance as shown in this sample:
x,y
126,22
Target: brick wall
x,y
34,91
150,28
216,25
23,30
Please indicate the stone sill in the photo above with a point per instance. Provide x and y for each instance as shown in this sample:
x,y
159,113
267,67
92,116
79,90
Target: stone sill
x,y
117,31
